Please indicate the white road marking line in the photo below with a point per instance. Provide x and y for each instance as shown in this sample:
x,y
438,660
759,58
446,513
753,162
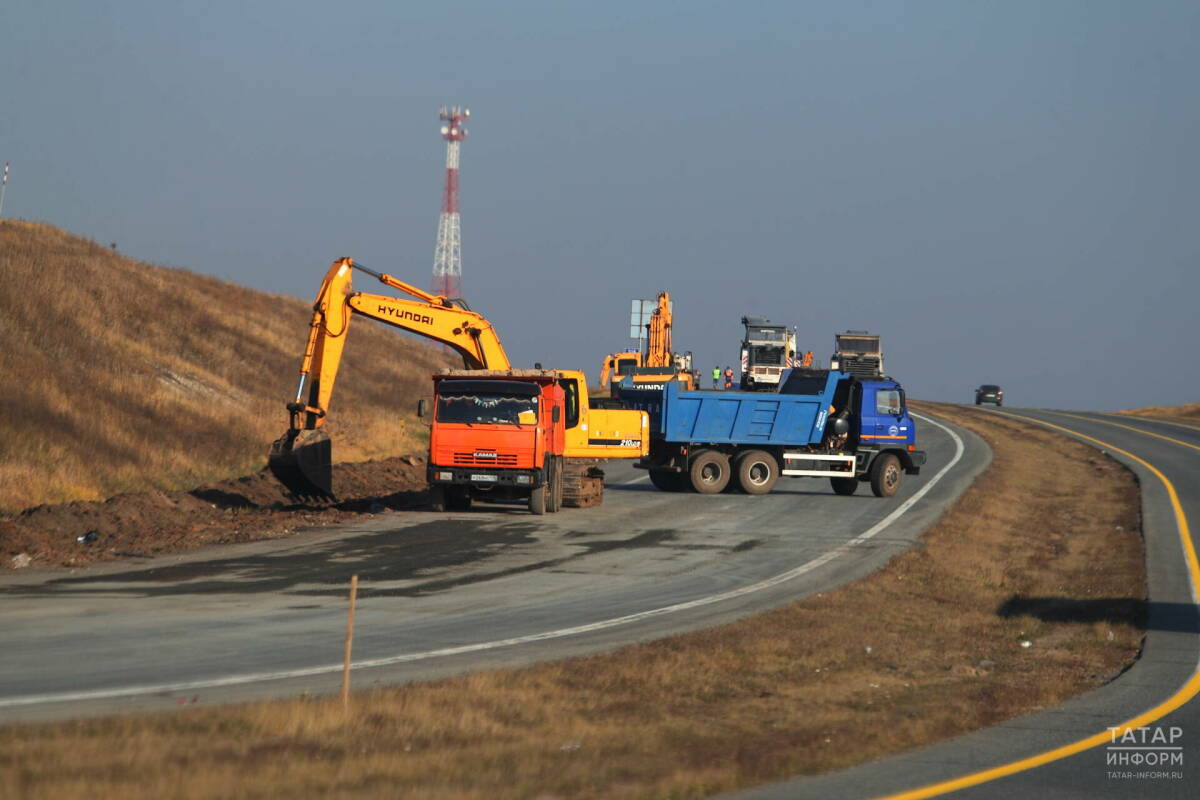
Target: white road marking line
x,y
783,577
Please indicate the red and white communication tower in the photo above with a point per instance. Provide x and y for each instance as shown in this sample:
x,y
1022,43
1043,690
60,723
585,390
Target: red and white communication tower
x,y
447,255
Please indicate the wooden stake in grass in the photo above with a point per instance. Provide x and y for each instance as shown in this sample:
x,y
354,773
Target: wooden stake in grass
x,y
349,644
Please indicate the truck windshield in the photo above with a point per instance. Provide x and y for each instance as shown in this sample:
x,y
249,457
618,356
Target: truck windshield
x,y
888,401
487,409
766,334
857,345
764,354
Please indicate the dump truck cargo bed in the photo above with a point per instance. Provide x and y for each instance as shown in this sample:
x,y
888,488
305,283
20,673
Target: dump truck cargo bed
x,y
735,417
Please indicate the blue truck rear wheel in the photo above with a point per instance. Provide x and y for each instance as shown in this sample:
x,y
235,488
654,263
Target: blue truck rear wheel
x,y
757,472
709,472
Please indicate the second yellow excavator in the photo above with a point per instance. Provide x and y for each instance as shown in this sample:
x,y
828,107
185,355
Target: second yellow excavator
x,y
659,362
301,459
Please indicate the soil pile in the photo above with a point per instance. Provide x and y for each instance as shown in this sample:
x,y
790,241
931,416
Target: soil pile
x,y
240,510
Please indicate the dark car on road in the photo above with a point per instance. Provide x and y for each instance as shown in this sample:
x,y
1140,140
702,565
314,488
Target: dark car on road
x,y
989,393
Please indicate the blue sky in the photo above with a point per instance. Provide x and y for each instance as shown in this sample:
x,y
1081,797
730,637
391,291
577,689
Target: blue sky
x,y
1006,191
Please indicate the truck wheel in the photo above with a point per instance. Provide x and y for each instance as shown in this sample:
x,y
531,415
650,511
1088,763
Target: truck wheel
x,y
710,472
844,486
437,498
667,481
554,491
885,475
458,498
757,472
537,500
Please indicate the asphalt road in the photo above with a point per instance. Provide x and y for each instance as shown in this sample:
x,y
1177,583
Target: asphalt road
x,y
445,593
1161,757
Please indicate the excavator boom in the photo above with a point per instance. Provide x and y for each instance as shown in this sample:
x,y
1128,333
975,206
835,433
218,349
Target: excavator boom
x,y
302,459
658,341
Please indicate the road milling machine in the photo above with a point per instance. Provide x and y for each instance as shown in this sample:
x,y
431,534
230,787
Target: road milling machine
x,y
547,449
767,351
659,362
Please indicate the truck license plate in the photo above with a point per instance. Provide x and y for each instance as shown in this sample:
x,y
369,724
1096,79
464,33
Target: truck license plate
x,y
483,478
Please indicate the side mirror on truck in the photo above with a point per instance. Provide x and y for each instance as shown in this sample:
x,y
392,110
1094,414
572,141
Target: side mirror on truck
x,y
555,414
423,407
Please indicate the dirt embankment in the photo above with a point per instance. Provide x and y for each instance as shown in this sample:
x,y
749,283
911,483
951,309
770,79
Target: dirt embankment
x,y
239,510
122,376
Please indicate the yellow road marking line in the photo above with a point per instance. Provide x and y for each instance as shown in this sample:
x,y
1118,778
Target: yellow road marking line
x,y
1182,695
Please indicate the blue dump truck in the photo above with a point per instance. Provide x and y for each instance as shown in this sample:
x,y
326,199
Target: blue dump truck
x,y
820,424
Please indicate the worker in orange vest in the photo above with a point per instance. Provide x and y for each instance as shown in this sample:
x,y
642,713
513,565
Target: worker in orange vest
x,y
728,378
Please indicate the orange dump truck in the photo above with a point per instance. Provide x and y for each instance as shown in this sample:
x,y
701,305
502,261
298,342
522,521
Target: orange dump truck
x,y
497,434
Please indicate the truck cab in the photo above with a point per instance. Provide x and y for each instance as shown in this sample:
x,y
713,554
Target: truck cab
x,y
497,435
532,433
887,437
885,419
859,353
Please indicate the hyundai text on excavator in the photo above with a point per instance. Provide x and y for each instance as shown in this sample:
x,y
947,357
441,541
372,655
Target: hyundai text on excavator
x,y
497,432
660,362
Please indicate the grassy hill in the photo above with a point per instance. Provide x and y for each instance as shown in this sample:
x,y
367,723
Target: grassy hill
x,y
119,375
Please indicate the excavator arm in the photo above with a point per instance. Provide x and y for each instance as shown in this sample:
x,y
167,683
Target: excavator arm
x,y
302,458
659,352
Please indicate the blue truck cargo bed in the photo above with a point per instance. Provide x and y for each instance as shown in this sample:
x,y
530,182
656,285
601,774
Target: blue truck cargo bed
x,y
713,417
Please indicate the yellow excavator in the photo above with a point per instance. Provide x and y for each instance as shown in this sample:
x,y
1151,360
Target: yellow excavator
x,y
301,459
660,362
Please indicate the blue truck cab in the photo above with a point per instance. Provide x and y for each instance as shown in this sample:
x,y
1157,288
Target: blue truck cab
x,y
885,418
820,423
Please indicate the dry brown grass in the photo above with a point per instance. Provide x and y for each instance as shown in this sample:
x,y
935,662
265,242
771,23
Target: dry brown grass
x,y
120,375
1187,411
924,649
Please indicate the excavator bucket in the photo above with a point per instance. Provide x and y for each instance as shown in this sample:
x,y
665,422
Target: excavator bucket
x,y
302,460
